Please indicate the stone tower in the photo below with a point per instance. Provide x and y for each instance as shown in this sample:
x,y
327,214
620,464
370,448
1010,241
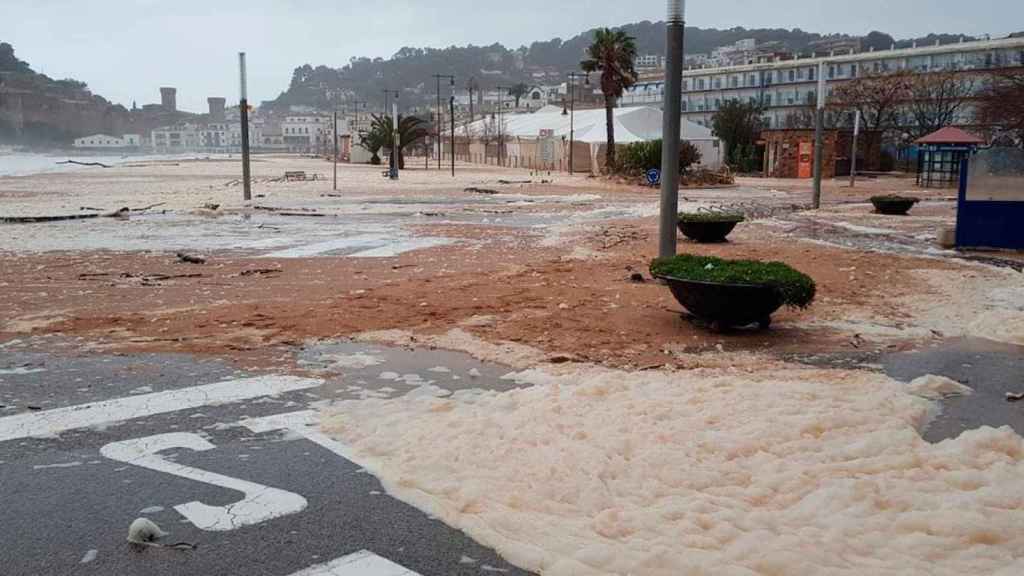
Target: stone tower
x,y
169,98
216,105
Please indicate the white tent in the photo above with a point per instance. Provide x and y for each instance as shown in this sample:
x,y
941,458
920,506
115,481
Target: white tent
x,y
634,124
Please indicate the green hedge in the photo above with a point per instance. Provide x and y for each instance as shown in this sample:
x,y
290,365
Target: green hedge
x,y
797,289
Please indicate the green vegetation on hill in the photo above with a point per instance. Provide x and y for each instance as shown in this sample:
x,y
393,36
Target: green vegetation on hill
x,y
412,68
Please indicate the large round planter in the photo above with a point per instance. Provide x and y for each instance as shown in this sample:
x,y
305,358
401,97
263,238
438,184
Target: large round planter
x,y
894,206
706,232
726,305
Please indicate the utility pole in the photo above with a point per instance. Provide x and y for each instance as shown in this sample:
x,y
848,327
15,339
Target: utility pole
x,y
472,81
670,129
451,117
393,161
819,128
439,113
501,111
335,148
243,108
572,114
394,139
853,151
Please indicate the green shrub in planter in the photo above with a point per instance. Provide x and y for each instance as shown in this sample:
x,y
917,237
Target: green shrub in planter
x,y
794,287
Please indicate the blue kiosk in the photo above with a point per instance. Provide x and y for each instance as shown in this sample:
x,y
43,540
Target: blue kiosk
x,y
990,203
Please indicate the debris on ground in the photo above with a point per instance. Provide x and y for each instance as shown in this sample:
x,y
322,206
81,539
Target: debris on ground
x,y
1014,396
191,258
476,190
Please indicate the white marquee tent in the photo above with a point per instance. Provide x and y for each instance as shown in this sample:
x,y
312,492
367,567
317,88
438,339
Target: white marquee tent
x,y
635,124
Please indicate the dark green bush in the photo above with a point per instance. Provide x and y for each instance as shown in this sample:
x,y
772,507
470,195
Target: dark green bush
x,y
796,288
639,157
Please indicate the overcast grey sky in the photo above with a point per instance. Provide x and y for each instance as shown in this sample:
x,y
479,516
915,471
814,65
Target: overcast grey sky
x,y
125,50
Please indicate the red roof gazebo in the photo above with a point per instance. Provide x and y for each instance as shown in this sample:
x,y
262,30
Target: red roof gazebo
x,y
940,154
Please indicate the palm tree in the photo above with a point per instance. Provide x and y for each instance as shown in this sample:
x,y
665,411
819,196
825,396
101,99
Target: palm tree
x,y
612,54
411,130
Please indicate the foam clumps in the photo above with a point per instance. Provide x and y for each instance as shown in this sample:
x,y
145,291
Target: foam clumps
x,y
937,387
593,471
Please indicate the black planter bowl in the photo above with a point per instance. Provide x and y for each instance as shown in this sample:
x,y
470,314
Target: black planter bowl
x,y
893,205
725,306
707,232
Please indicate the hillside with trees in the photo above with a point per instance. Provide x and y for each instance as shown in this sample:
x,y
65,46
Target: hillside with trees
x,y
38,110
543,62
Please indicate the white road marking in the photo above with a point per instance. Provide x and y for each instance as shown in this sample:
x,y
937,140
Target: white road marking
x,y
394,248
105,412
362,241
260,503
304,424
362,563
89,556
19,371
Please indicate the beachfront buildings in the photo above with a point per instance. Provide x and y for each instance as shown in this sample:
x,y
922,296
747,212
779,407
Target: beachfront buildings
x,y
787,85
105,142
309,134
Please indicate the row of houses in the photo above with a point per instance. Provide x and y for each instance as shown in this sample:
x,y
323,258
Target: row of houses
x,y
303,130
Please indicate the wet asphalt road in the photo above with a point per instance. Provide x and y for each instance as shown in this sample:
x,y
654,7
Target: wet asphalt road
x,y
67,501
989,368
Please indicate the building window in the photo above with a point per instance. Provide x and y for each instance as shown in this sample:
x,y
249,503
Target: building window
x,y
767,99
831,72
810,73
792,75
853,70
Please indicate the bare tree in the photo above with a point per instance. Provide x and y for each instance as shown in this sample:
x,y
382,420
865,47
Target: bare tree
x,y
936,100
1001,105
878,97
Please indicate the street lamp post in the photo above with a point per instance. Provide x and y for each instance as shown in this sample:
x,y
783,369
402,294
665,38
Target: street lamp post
x,y
572,112
439,114
670,130
451,118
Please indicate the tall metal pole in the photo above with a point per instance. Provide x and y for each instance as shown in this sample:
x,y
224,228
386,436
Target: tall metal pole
x,y
438,123
395,143
670,131
243,108
335,148
501,111
819,129
451,118
572,118
853,150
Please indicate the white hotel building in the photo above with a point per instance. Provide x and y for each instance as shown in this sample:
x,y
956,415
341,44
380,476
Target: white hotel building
x,y
784,86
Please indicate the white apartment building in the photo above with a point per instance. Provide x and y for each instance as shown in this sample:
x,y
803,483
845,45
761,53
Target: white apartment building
x,y
108,142
649,62
178,138
308,134
785,86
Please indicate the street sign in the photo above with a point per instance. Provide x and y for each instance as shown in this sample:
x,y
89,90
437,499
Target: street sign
x,y
653,176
